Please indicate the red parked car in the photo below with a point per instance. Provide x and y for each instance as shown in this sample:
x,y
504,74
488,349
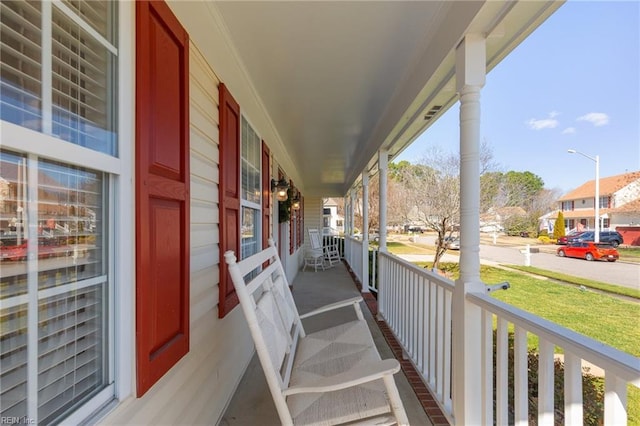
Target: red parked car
x,y
46,248
566,238
589,250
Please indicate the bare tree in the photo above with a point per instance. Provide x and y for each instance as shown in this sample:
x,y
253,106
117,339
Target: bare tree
x,y
434,188
399,206
372,207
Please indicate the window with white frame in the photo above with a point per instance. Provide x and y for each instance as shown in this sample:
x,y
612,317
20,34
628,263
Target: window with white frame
x,y
57,77
250,237
567,206
58,74
604,202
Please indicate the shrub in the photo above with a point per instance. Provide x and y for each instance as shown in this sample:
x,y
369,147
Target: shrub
x,y
558,227
544,239
519,225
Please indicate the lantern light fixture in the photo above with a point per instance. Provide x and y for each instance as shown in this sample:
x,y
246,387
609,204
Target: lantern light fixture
x,y
296,202
280,187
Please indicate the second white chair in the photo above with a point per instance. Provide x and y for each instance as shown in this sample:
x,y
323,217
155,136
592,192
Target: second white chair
x,y
315,256
331,252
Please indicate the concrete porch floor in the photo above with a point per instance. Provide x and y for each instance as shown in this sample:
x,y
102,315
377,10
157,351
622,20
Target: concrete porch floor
x,y
252,404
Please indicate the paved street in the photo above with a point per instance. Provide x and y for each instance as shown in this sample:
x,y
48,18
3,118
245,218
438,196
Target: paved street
x,y
618,273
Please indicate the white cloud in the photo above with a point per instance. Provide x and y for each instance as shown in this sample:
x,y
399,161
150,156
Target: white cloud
x,y
595,118
545,123
554,114
569,131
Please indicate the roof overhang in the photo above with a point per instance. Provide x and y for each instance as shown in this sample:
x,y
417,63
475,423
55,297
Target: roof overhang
x,y
339,80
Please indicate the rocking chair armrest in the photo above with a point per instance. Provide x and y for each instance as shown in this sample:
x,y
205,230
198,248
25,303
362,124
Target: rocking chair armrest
x,y
365,373
330,307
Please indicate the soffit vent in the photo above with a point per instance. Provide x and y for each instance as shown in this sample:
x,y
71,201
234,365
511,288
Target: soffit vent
x,y
432,112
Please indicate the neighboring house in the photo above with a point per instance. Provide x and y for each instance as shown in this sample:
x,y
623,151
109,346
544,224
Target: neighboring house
x,y
619,204
493,220
547,222
332,222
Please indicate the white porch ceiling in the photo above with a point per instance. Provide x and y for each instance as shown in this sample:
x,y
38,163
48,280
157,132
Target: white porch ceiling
x,y
341,79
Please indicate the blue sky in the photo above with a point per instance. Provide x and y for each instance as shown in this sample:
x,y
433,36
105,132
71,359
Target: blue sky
x,y
572,84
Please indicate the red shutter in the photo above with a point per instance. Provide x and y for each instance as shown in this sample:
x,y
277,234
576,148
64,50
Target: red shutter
x,y
292,219
266,194
299,222
229,194
162,192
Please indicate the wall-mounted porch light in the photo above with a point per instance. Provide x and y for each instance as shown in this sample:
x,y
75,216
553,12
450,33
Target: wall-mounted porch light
x,y
296,201
280,188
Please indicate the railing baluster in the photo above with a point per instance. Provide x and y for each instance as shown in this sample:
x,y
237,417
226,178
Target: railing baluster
x,y
420,330
573,411
433,332
520,368
487,363
502,372
615,400
545,383
446,391
440,344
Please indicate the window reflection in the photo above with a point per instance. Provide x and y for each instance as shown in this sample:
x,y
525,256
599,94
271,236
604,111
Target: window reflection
x,y
67,236
53,255
249,234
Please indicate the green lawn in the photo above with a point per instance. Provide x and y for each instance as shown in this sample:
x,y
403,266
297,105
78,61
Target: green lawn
x,y
631,254
601,317
402,248
631,292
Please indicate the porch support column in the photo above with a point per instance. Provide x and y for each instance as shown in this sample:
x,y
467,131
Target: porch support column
x,y
352,218
365,232
383,159
466,317
345,202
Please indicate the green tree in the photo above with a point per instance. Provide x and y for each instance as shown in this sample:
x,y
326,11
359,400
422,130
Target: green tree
x,y
558,226
520,188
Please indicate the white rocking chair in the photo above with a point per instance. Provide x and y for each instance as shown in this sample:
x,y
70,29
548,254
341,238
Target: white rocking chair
x,y
315,256
331,252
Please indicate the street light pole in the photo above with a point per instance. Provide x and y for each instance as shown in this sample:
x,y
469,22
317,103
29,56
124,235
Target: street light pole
x,y
597,199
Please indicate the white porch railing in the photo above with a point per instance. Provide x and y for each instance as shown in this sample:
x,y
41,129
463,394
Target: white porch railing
x,y
353,255
417,306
